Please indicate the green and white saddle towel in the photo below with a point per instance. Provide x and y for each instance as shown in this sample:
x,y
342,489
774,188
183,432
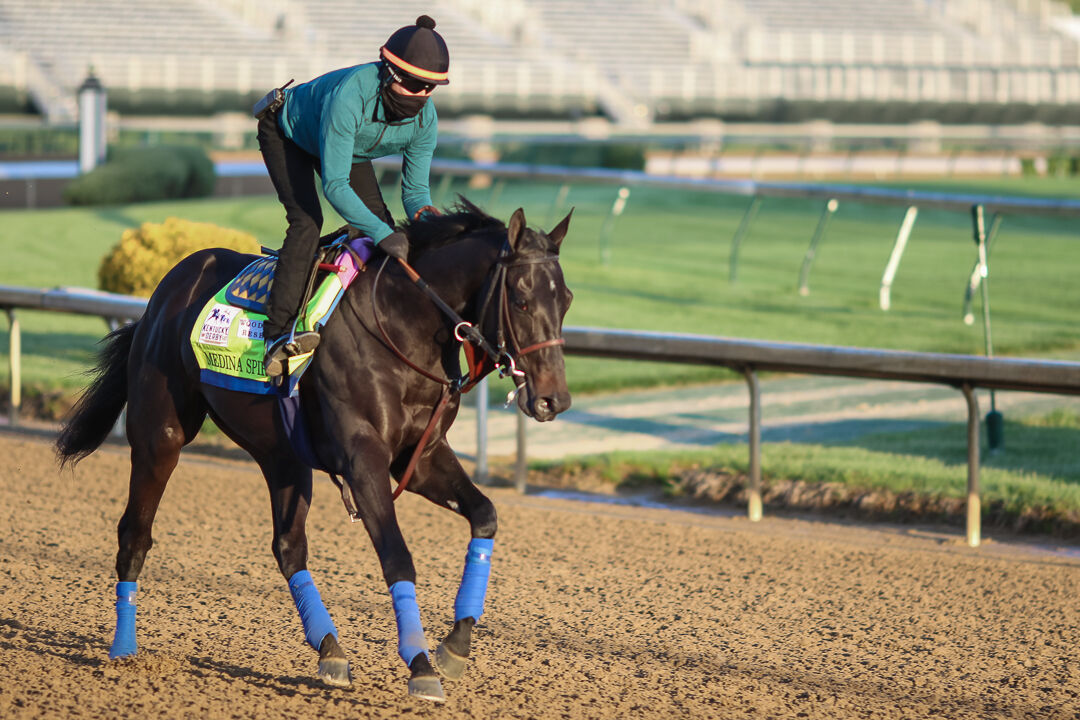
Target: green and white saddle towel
x,y
228,335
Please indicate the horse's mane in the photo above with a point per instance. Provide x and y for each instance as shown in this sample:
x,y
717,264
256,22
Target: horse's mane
x,y
464,218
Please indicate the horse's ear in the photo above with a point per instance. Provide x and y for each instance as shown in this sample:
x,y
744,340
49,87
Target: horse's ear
x,y
517,227
559,231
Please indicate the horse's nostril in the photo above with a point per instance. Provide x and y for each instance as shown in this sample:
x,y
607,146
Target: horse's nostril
x,y
543,405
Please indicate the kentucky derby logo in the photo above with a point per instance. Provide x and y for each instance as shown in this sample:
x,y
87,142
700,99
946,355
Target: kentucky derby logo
x,y
215,329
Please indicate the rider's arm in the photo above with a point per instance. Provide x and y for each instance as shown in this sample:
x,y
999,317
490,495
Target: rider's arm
x,y
416,165
337,137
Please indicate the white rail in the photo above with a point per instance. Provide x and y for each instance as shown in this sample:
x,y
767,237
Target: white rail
x,y
964,372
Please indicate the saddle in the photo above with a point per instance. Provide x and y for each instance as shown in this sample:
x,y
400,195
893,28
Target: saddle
x,y
227,337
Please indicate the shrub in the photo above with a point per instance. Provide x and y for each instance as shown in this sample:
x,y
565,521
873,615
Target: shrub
x,y
145,173
137,263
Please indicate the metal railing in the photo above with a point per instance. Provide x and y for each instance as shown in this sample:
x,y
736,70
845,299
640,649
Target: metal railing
x,y
110,307
964,372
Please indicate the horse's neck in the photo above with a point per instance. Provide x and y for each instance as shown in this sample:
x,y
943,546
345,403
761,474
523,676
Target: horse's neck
x,y
458,272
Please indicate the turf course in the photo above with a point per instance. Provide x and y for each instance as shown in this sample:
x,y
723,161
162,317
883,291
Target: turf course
x,y
668,270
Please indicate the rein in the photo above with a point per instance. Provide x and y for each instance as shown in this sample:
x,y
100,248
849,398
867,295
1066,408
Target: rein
x,y
500,357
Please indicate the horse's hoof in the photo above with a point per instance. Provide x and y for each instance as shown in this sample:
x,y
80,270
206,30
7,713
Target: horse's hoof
x,y
449,664
427,687
334,672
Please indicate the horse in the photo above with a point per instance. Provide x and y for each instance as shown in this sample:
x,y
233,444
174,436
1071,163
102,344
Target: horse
x,y
387,357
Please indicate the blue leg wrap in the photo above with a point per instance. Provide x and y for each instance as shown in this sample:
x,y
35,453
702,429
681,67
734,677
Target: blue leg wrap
x,y
124,640
313,614
411,640
474,581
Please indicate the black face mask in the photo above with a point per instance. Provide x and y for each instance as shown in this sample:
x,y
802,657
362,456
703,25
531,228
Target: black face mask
x,y
401,107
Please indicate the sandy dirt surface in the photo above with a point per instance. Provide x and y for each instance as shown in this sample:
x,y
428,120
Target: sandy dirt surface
x,y
594,611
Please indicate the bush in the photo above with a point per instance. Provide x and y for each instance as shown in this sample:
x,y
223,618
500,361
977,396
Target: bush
x,y
137,263
145,173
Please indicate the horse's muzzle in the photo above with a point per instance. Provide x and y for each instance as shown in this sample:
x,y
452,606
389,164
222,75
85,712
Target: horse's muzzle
x,y
544,407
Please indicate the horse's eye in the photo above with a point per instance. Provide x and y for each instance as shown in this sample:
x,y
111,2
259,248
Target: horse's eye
x,y
521,305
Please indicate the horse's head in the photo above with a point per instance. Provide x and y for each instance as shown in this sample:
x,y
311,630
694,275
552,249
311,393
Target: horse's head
x,y
535,301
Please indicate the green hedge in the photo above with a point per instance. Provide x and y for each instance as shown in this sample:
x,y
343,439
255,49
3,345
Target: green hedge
x,y
145,173
617,155
37,142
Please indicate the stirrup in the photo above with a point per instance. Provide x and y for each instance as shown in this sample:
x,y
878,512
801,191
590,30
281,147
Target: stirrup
x,y
281,349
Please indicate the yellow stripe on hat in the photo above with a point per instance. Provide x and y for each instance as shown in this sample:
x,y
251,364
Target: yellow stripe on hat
x,y
413,69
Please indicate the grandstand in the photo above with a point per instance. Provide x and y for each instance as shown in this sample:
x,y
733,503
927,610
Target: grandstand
x,y
633,61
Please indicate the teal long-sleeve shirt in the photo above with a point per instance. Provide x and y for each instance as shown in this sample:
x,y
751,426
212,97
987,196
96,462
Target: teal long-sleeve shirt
x,y
339,119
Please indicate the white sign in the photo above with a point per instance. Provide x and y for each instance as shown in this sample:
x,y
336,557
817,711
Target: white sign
x,y
215,329
250,329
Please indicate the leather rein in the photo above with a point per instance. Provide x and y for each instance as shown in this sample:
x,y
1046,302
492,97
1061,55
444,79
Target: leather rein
x,y
504,356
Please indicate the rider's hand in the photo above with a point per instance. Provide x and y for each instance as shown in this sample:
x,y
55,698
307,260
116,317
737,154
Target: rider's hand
x,y
396,245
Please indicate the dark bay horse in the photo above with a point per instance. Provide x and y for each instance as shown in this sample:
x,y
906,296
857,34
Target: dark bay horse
x,y
367,400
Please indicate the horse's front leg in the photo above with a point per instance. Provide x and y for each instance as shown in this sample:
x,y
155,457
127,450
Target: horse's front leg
x,y
369,481
441,479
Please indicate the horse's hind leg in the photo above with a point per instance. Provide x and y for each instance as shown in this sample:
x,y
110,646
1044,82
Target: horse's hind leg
x,y
441,479
254,424
289,482
158,426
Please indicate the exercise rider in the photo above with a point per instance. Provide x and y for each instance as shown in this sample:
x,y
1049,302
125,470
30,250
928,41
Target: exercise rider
x,y
334,126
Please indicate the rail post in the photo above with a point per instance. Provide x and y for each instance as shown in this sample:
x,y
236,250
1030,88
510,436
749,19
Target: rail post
x,y
974,504
606,229
980,275
819,233
885,294
444,187
481,474
521,469
975,279
740,234
753,491
496,193
15,364
557,204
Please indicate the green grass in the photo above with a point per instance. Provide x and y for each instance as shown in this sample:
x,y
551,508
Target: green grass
x,y
668,271
1038,467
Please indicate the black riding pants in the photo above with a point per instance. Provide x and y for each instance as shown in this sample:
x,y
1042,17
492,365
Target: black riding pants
x,y
292,171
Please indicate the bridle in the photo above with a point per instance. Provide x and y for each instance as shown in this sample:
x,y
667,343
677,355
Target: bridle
x,y
504,356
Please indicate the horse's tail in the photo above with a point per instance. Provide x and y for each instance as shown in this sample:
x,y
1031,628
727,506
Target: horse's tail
x,y
96,412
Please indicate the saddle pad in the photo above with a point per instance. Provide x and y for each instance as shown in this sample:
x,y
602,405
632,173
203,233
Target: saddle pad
x,y
227,336
250,289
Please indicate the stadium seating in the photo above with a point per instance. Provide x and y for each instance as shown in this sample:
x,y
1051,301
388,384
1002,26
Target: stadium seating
x,y
633,60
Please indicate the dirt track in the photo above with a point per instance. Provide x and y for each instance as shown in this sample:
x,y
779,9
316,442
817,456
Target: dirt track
x,y
593,612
